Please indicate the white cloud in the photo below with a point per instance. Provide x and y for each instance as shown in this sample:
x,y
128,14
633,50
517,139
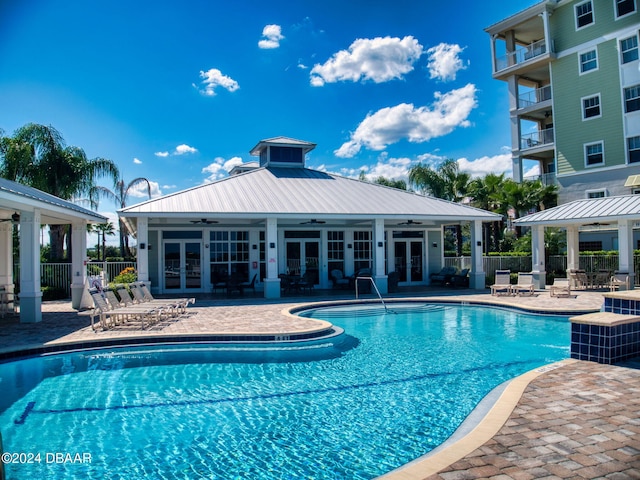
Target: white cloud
x,y
378,59
182,149
482,166
161,154
214,78
220,168
444,61
140,190
137,161
390,168
169,187
272,34
416,124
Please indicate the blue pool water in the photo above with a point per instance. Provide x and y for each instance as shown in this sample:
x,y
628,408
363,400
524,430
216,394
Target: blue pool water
x,y
393,387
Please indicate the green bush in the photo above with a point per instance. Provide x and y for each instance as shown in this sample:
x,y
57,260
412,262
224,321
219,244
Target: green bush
x,y
128,275
53,293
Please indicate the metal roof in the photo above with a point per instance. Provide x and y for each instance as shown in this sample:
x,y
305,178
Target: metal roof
x,y
301,193
15,196
591,210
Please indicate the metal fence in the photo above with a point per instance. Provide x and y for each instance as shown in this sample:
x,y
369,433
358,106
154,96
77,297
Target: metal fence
x,y
58,275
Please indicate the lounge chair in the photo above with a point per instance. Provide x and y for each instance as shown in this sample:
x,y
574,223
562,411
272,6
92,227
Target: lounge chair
x,y
142,295
339,280
619,281
460,279
112,314
561,287
602,279
525,285
443,276
502,285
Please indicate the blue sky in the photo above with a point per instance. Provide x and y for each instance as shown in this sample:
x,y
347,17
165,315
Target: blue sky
x,y
179,92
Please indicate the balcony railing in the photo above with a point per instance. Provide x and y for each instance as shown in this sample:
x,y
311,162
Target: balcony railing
x,y
546,178
521,55
536,139
533,97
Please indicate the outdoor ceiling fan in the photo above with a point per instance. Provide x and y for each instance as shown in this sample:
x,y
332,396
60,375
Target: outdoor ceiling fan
x,y
410,222
204,221
15,218
313,221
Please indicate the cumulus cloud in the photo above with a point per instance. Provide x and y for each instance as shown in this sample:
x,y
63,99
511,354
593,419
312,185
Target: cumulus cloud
x,y
390,168
378,59
214,78
137,161
220,168
161,154
182,149
271,36
140,190
444,61
415,124
482,166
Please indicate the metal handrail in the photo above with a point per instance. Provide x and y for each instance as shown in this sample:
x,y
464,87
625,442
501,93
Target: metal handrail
x,y
375,288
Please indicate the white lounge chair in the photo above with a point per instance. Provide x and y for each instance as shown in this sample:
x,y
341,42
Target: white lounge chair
x,y
525,285
561,287
619,281
502,285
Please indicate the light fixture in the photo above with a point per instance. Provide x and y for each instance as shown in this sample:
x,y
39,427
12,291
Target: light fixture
x,y
434,244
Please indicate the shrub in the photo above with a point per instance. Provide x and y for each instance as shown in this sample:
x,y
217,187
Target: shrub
x,y
53,293
128,275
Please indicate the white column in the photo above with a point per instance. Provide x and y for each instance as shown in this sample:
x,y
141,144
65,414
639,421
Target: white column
x,y
625,250
6,257
537,256
573,252
494,62
30,294
78,264
272,282
545,28
378,272
477,276
142,255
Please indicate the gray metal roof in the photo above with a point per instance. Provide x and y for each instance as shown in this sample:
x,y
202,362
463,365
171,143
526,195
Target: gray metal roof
x,y
301,193
15,196
582,212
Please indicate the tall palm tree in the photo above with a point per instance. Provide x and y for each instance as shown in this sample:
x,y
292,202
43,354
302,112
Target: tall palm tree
x,y
104,229
446,182
484,194
37,156
121,196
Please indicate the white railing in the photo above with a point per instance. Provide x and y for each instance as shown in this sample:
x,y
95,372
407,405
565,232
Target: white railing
x,y
521,55
533,97
546,178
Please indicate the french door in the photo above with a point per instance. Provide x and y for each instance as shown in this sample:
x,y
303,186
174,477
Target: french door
x,y
409,261
302,255
182,262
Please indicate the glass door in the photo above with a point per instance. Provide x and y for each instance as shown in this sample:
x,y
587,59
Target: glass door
x,y
303,256
408,261
182,265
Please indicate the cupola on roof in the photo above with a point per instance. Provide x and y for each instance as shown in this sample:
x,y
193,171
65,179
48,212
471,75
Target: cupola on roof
x,y
282,152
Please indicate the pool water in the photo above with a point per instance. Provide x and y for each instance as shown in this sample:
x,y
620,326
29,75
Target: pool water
x,y
394,387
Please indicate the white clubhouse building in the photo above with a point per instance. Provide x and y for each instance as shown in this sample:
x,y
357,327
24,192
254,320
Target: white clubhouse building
x,y
277,217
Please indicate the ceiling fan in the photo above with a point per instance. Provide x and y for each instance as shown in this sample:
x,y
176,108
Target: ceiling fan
x,y
410,222
204,221
596,224
15,218
313,221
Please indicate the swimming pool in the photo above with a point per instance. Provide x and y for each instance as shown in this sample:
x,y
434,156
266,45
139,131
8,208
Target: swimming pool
x,y
393,387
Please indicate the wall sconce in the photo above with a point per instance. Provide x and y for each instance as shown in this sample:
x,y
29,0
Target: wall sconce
x,y
149,247
255,247
206,245
479,243
434,244
272,245
349,245
380,244
143,246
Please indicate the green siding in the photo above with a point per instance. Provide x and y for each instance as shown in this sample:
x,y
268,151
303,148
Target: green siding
x,y
563,24
569,87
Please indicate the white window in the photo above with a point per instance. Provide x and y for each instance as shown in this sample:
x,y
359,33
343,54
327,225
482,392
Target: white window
x,y
632,99
588,61
633,147
596,193
584,14
624,7
629,49
594,154
591,107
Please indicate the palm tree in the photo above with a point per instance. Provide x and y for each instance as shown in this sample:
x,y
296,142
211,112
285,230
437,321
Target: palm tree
x,y
104,229
121,196
446,182
37,156
484,194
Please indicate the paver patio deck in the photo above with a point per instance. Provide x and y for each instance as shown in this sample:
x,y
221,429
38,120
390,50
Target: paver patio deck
x,y
576,420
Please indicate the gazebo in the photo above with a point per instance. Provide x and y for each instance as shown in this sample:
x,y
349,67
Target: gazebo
x,y
30,209
620,213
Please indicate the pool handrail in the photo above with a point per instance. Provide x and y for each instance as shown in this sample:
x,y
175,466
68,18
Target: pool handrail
x,y
375,288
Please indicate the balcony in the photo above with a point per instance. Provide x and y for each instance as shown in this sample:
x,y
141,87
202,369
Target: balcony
x,y
546,179
535,97
541,138
522,55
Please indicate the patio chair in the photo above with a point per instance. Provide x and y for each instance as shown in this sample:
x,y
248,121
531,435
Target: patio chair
x,y
525,285
502,285
443,276
579,279
251,284
142,295
110,315
339,280
561,287
619,281
460,279
307,281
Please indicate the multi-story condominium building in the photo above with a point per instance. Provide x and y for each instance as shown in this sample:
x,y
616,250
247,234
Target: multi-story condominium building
x,y
573,76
